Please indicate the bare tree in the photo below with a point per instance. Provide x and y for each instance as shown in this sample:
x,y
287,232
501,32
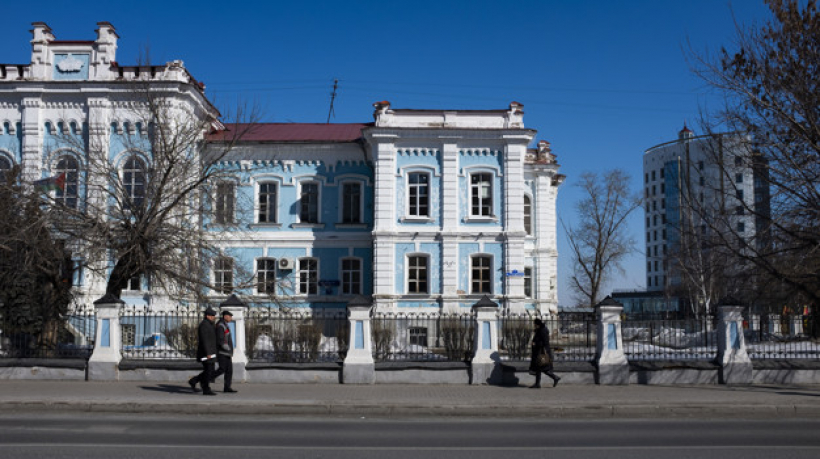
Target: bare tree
x,y
771,93
600,241
151,205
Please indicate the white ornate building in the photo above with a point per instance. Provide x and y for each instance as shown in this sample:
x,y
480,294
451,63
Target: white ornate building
x,y
420,208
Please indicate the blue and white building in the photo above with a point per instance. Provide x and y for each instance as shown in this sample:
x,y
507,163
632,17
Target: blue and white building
x,y
422,209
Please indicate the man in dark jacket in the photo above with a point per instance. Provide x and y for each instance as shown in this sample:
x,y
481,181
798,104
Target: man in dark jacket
x,y
206,353
224,354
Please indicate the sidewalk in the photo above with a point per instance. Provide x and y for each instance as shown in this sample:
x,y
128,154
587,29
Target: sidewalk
x,y
564,401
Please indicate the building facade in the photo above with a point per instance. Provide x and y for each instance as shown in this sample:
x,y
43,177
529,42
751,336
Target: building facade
x,y
694,188
422,209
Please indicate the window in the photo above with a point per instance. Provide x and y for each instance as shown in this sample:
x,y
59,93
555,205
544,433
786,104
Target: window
x,y
648,281
739,194
663,234
223,275
528,282
351,276
646,177
655,219
5,167
647,222
481,192
702,181
418,336
309,203
225,196
267,202
739,210
654,205
661,172
134,283
654,189
663,187
741,227
528,215
417,274
351,202
266,276
69,166
700,165
738,160
649,266
308,276
480,281
133,178
419,194
739,177
653,176
663,203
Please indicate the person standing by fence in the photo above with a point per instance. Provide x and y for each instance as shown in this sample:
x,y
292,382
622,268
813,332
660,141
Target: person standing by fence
x,y
541,345
224,354
206,353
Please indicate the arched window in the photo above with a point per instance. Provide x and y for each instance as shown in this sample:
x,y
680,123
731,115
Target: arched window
x,y
5,168
481,194
309,202
133,178
69,195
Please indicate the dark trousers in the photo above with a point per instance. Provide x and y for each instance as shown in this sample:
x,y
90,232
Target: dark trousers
x,y
547,371
204,378
225,368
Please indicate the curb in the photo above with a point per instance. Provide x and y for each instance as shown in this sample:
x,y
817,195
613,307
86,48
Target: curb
x,y
678,411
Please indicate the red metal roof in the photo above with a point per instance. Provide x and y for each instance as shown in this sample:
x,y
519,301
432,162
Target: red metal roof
x,y
294,132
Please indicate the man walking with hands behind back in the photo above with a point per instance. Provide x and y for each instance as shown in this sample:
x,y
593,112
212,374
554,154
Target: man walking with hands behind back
x,y
206,353
224,344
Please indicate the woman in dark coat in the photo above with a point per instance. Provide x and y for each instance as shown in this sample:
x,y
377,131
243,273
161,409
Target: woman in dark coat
x,y
540,342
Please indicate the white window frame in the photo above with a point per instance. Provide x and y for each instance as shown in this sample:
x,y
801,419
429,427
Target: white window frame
x,y
488,269
310,283
346,273
271,208
130,186
62,196
225,211
343,200
476,189
528,283
409,204
220,275
529,226
269,275
410,269
300,202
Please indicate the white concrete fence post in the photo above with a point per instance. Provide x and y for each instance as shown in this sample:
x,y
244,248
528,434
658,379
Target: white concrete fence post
x,y
240,356
613,368
358,366
105,360
735,365
485,367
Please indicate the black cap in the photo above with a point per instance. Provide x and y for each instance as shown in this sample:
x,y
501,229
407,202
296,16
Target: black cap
x,y
210,312
227,313
538,322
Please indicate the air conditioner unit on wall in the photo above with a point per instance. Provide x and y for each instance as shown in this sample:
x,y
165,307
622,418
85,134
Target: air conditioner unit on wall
x,y
287,263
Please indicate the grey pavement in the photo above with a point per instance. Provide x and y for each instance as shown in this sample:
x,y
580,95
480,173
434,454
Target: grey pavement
x,y
401,400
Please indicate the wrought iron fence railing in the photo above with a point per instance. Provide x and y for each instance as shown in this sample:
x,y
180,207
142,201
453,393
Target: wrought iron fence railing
x,y
782,337
422,337
571,340
160,334
686,339
276,335
69,336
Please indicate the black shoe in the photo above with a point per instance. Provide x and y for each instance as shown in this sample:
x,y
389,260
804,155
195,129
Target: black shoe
x,y
535,386
230,391
193,385
208,392
555,381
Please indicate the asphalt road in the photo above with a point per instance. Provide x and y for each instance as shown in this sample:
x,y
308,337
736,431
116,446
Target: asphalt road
x,y
178,437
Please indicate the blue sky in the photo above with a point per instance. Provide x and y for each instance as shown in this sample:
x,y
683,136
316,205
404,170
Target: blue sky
x,y
601,80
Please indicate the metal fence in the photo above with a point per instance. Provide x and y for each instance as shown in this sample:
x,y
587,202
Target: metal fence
x,y
571,339
423,337
296,336
70,336
160,334
782,337
687,339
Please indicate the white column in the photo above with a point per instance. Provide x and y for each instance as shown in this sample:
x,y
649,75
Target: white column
x,y
613,368
32,139
450,225
485,358
384,191
358,366
735,365
513,181
104,362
